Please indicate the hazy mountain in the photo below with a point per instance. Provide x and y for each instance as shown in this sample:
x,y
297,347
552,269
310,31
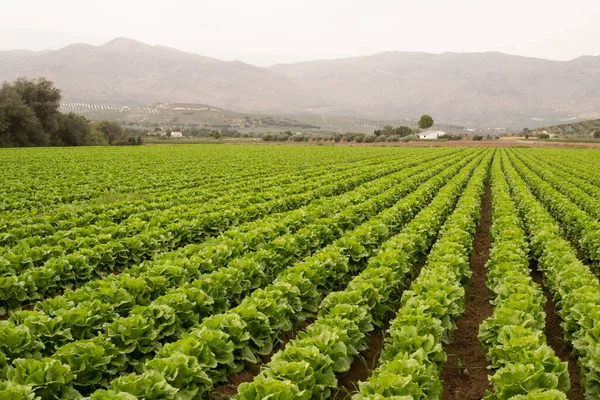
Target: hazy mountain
x,y
124,71
477,89
471,89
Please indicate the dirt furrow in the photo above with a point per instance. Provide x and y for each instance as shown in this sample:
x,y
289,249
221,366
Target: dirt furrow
x,y
465,373
555,335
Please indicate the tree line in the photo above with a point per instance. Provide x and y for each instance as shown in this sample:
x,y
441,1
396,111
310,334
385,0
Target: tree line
x,y
30,116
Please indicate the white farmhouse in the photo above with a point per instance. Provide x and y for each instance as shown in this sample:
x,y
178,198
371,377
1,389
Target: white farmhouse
x,y
431,135
176,134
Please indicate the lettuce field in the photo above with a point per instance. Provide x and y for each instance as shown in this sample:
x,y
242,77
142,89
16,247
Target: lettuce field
x,y
299,272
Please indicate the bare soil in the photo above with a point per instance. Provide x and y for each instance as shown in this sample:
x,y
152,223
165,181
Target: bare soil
x,y
554,338
465,373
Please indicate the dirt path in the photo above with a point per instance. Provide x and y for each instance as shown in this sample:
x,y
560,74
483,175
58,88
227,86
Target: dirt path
x,y
465,374
554,338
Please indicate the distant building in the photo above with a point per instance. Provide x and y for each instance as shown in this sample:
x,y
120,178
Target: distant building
x,y
431,135
176,134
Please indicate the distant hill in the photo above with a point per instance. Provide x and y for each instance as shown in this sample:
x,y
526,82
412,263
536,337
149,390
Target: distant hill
x,y
581,129
125,71
472,89
177,114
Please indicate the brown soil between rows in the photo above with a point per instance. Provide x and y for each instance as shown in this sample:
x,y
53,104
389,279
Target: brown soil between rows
x,y
465,373
554,338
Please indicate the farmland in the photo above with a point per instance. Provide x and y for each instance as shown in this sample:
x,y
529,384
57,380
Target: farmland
x,y
201,115
299,272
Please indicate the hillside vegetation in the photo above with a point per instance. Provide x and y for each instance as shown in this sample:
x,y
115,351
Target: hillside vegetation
x,y
582,129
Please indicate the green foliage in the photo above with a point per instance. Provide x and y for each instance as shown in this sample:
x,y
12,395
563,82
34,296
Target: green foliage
x,y
478,138
412,356
219,264
29,116
48,378
308,364
425,122
570,281
522,362
389,131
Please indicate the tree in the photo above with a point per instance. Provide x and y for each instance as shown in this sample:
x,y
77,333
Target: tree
x,y
74,130
477,137
111,130
30,116
425,122
44,99
403,131
597,134
19,125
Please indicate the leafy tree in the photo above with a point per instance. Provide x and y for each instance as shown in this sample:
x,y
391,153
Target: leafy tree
x,y
597,134
74,130
30,116
478,137
111,131
44,99
403,131
19,125
425,122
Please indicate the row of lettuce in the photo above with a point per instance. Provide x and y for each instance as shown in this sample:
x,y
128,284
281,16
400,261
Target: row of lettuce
x,y
67,221
189,324
42,180
250,329
413,355
522,361
574,287
307,367
523,365
121,346
107,255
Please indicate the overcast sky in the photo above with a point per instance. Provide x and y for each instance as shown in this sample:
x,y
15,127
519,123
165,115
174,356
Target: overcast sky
x,y
264,32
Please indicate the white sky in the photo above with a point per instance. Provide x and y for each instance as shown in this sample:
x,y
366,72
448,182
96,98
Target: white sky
x,y
264,32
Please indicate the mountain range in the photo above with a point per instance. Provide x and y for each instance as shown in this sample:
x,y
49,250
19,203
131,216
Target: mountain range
x,y
473,89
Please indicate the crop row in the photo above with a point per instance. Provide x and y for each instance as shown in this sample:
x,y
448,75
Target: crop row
x,y
84,264
580,177
522,361
583,174
68,217
236,337
380,205
307,367
65,220
37,180
412,355
574,287
564,184
581,228
202,267
35,251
